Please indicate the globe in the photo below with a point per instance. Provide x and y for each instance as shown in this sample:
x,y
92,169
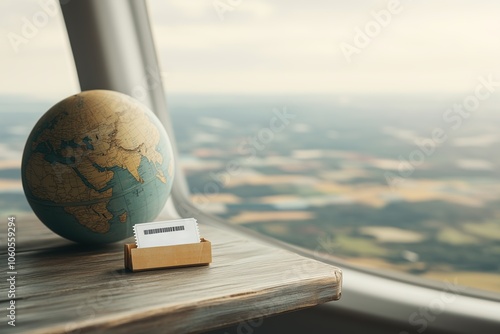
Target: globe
x,y
95,164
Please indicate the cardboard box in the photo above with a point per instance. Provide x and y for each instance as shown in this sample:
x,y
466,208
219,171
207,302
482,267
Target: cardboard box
x,y
137,259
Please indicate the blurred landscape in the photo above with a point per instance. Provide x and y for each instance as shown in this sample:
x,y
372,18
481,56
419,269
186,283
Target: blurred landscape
x,y
343,176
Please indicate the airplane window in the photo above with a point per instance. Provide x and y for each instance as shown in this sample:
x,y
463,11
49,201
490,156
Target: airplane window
x,y
367,130
37,71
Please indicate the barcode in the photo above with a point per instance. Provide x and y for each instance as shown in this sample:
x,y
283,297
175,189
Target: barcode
x,y
164,230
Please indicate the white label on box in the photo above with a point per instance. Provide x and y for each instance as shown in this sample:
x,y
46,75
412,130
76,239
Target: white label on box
x,y
167,233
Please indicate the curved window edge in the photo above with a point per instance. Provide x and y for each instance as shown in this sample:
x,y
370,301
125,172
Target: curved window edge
x,y
395,297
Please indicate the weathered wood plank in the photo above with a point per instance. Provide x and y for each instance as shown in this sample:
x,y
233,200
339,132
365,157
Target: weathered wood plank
x,y
70,288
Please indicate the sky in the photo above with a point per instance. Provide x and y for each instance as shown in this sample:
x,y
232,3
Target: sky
x,y
276,47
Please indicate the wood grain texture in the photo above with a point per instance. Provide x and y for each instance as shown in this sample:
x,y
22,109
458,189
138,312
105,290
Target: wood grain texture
x,y
137,259
67,288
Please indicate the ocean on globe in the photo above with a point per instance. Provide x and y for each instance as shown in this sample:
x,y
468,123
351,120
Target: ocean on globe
x,y
95,164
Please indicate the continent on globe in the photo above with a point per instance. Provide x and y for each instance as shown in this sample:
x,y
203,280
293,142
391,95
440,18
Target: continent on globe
x,y
95,164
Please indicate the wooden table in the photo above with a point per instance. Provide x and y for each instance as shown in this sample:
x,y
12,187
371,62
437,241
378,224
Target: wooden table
x,y
62,287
